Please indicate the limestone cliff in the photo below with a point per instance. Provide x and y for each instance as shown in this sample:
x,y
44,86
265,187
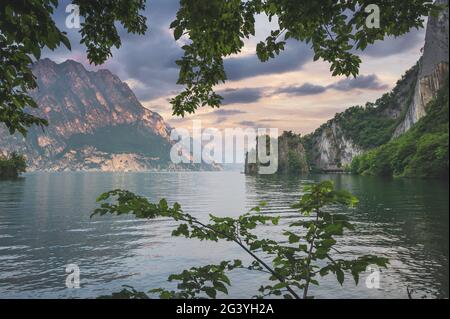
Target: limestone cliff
x,y
433,69
334,145
330,149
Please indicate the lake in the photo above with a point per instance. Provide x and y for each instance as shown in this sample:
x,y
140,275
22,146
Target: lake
x,y
45,225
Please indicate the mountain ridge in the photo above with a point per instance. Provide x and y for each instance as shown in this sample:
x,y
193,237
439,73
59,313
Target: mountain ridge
x,y
358,129
95,123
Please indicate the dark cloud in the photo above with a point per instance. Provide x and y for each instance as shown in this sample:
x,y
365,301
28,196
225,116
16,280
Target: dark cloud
x,y
149,60
367,82
362,82
300,90
243,96
292,58
269,120
396,45
247,123
225,112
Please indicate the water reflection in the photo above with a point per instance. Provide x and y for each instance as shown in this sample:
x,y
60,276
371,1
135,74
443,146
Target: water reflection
x,y
45,225
405,220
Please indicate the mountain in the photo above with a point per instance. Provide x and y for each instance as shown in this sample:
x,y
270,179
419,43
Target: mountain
x,y
359,129
95,123
433,70
422,151
403,133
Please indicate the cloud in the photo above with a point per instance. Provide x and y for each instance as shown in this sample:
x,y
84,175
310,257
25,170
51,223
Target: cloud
x,y
362,82
292,58
147,62
367,82
222,115
396,45
242,96
300,90
225,112
146,59
247,123
150,59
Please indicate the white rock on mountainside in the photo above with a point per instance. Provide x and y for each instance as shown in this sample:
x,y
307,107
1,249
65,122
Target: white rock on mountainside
x,y
332,149
95,123
433,69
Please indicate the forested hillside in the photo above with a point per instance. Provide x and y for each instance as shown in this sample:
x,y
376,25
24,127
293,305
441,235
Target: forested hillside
x,y
420,152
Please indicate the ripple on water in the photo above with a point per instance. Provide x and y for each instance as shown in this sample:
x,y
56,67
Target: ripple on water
x,y
45,225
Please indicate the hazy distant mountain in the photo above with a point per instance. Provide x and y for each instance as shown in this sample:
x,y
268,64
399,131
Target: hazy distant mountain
x,y
95,122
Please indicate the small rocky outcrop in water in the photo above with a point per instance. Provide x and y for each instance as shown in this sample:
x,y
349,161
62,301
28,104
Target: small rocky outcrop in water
x,y
11,166
291,156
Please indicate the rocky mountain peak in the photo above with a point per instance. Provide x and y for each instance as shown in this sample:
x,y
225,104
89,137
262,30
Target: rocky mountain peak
x,y
433,69
93,118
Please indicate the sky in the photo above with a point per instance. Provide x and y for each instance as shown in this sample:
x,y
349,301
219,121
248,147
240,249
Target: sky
x,y
290,92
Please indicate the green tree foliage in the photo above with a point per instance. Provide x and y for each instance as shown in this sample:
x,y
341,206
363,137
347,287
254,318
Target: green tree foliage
x,y
336,31
366,126
215,29
12,166
307,253
27,27
420,152
295,163
371,125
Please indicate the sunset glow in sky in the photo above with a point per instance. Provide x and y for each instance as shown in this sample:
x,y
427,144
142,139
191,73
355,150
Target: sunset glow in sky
x,y
290,92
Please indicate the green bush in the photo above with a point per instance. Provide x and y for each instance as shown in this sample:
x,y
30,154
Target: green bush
x,y
420,152
12,166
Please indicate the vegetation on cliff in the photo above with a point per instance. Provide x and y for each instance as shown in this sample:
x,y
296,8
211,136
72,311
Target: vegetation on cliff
x,y
368,126
420,152
336,30
11,166
291,155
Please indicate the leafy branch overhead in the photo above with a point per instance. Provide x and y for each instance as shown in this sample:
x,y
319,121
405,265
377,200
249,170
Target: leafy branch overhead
x,y
336,31
211,30
296,263
27,27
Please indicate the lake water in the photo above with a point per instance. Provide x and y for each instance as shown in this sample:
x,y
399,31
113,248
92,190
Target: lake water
x,y
45,225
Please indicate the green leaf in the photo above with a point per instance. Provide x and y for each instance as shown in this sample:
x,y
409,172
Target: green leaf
x,y
178,32
340,276
211,292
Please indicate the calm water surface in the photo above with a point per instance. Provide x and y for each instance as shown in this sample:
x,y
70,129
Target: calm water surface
x,y
45,225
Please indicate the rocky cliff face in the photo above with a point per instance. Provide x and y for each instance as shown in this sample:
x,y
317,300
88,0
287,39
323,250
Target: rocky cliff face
x,y
433,69
331,149
291,156
95,123
333,145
